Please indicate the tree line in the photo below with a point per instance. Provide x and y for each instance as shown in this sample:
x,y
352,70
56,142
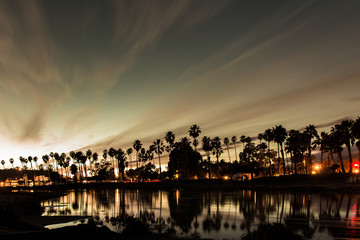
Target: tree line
x,y
276,151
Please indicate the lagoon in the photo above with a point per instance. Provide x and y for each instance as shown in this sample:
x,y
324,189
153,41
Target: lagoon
x,y
215,214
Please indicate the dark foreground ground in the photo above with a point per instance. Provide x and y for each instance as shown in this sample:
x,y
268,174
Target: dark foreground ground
x,y
16,207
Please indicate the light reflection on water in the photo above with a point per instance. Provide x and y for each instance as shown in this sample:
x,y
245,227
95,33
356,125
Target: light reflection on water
x,y
218,214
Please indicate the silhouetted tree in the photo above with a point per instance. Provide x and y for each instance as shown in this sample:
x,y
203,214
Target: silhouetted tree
x,y
194,132
159,149
137,146
129,151
11,160
206,146
355,131
234,139
280,135
226,142
185,160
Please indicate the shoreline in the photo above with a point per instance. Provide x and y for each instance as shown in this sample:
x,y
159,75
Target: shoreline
x,y
307,183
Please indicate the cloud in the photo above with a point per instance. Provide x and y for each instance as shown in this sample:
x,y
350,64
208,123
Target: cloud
x,y
33,127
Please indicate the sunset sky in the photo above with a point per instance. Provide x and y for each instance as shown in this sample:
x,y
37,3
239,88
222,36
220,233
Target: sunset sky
x,y
100,74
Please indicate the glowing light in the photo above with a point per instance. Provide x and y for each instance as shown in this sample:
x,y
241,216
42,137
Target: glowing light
x,y
313,172
356,171
177,197
317,167
226,178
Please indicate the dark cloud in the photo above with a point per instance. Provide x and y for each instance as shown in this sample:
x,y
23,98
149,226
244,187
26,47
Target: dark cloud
x,y
32,128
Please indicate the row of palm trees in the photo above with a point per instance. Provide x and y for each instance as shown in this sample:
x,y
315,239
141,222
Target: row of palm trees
x,y
298,144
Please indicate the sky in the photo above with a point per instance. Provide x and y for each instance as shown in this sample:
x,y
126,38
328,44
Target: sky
x,y
100,74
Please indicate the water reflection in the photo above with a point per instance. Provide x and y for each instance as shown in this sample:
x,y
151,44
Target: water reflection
x,y
216,214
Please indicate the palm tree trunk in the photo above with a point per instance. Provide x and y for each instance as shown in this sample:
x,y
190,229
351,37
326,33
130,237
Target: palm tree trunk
x,y
350,156
283,157
160,163
235,152
227,146
209,167
310,161
341,161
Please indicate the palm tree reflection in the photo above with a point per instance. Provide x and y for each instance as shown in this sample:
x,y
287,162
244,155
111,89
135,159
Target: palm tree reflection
x,y
202,213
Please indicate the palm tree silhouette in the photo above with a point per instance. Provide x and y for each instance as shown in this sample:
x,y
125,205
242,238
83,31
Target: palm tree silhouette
x,y
206,146
226,142
45,159
112,153
11,160
121,158
95,158
194,132
170,139
129,151
137,146
260,137
35,159
216,148
349,139
234,139
310,133
159,149
280,135
338,139
89,155
268,136
3,163
30,160
355,131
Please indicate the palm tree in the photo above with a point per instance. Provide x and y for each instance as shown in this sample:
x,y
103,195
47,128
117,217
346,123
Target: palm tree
x,y
66,165
35,159
80,158
159,149
89,155
30,160
337,141
226,142
57,159
11,160
194,132
260,137
121,158
3,163
268,136
243,140
129,151
45,158
170,139
206,146
51,155
322,141
95,158
310,132
216,149
137,146
280,135
112,153
355,131
349,139
234,139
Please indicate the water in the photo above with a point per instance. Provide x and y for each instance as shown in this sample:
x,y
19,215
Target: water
x,y
217,214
